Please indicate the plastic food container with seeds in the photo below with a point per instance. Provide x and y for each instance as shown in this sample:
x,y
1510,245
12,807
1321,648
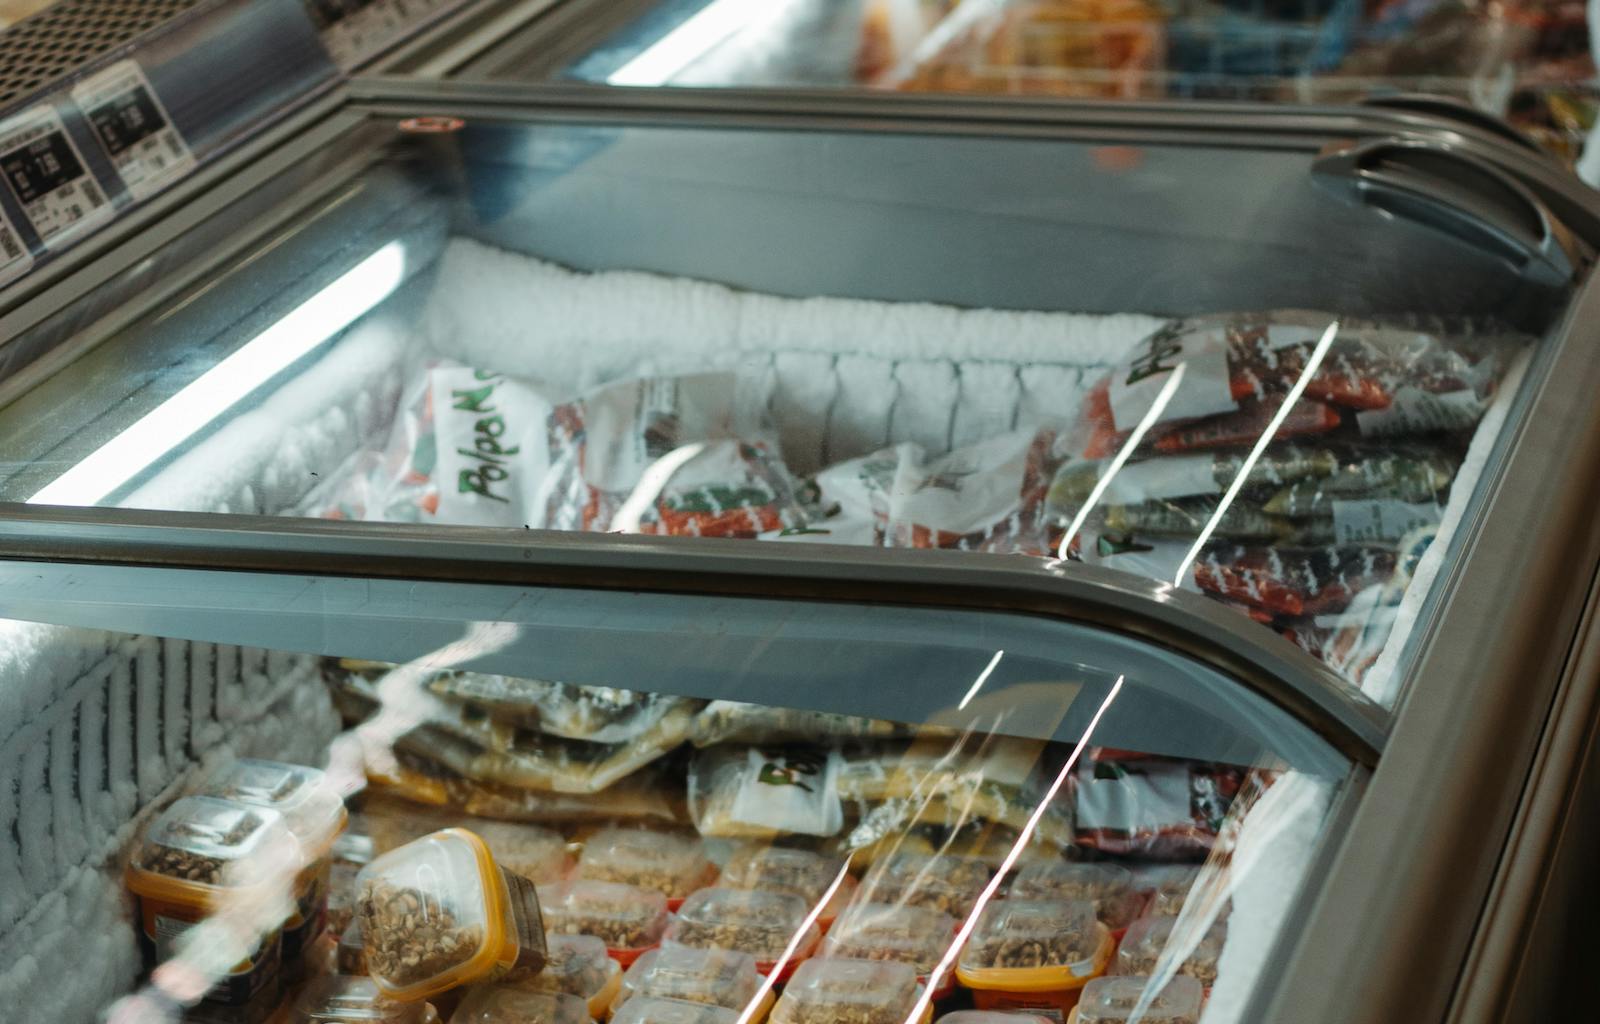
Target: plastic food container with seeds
x,y
1168,885
950,885
577,965
1112,1000
1109,887
439,912
802,873
628,919
885,931
1034,955
718,977
538,854
672,863
1149,937
651,1010
850,992
507,1004
992,1017
340,1000
762,924
315,815
198,854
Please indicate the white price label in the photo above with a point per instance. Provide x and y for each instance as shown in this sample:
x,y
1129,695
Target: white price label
x,y
15,259
48,176
134,128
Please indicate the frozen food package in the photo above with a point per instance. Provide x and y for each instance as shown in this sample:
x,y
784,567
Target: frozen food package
x,y
1197,475
1149,939
529,851
1034,954
577,965
949,885
439,912
650,1010
598,714
718,977
886,931
346,1000
891,30
714,465
673,863
731,721
807,874
988,495
629,920
314,813
764,792
506,1004
763,924
860,991
1110,887
1114,1000
194,857
1152,807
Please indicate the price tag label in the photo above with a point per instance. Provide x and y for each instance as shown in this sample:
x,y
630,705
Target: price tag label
x,y
134,128
15,259
46,173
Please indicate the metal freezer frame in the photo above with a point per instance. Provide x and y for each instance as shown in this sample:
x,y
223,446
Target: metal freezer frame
x,y
1495,652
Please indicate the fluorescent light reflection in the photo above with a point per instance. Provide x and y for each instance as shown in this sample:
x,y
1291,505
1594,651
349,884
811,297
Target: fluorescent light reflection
x,y
687,43
983,677
180,417
1260,446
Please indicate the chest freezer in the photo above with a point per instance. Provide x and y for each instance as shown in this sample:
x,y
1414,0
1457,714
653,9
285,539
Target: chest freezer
x,y
537,456
1530,64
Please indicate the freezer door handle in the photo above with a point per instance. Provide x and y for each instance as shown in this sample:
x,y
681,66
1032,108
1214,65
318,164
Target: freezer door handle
x,y
1428,182
1452,109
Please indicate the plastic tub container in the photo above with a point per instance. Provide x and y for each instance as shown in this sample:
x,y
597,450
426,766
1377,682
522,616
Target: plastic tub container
x,y
671,863
950,885
1149,937
339,1000
784,869
538,854
719,977
628,919
762,924
884,931
1112,1000
992,1017
439,912
352,851
650,1010
1034,955
577,965
315,815
198,854
1110,887
857,991
1168,886
504,1004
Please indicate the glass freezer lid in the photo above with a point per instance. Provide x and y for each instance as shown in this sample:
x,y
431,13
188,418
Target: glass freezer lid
x,y
1058,349
1527,62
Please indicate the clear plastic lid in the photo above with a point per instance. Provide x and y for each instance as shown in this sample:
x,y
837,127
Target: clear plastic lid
x,y
672,863
431,913
622,916
992,1017
673,1011
749,920
722,977
344,1000
574,964
1012,934
886,931
1112,1000
939,882
858,991
1110,887
1149,937
1168,885
310,805
536,853
786,869
207,840
505,1004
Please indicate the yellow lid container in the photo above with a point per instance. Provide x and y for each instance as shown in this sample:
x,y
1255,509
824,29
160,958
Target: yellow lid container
x,y
1035,946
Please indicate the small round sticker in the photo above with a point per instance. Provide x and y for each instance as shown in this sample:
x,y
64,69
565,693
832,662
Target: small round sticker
x,y
432,125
